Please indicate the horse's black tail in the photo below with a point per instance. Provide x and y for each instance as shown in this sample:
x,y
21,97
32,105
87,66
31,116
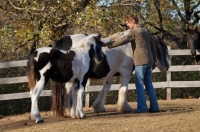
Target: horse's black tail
x,y
57,98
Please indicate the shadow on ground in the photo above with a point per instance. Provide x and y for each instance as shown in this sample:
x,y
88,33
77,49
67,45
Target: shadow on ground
x,y
166,107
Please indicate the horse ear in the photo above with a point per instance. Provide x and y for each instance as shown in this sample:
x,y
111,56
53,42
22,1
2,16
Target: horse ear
x,y
99,36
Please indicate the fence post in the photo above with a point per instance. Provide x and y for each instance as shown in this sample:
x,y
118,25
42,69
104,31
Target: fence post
x,y
169,78
87,99
87,94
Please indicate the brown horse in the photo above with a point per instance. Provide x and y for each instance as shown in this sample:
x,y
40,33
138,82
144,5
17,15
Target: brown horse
x,y
193,40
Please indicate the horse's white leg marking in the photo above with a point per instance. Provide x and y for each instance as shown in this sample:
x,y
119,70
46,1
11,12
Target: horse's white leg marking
x,y
122,103
98,105
79,111
35,94
67,98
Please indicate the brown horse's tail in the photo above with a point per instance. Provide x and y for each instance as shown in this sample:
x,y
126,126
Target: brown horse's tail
x,y
57,98
31,73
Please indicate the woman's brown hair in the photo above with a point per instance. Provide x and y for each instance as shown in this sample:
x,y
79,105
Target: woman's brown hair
x,y
132,17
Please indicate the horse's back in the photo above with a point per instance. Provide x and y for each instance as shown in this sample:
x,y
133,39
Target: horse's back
x,y
44,49
69,41
120,56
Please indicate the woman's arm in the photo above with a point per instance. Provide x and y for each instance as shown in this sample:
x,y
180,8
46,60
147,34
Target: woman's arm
x,y
117,39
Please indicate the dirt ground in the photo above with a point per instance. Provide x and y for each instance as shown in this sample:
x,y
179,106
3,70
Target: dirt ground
x,y
179,115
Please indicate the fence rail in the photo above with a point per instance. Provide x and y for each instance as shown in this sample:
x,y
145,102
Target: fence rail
x,y
168,84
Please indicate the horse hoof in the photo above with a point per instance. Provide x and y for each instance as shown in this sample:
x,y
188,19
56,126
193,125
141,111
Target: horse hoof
x,y
84,116
40,121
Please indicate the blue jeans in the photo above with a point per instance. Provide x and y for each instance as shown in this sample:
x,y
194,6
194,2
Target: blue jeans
x,y
143,76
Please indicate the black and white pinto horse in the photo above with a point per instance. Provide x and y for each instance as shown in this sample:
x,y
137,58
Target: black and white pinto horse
x,y
72,65
193,40
117,62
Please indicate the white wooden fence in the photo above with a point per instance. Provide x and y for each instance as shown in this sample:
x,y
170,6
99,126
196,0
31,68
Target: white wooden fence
x,y
168,84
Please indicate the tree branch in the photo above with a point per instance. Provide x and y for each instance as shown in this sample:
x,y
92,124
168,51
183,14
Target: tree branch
x,y
157,28
28,9
178,11
188,12
166,34
195,6
156,4
197,17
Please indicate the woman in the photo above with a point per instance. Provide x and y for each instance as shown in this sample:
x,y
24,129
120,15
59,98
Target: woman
x,y
144,57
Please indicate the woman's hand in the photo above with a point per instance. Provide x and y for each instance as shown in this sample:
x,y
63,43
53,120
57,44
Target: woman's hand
x,y
104,44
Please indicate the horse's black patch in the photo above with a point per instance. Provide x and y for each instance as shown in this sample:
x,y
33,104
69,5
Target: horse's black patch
x,y
100,69
47,76
61,65
42,61
64,43
100,65
85,80
78,84
117,74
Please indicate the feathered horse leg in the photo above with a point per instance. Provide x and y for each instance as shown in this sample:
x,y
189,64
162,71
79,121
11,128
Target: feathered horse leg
x,y
69,87
35,94
98,105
